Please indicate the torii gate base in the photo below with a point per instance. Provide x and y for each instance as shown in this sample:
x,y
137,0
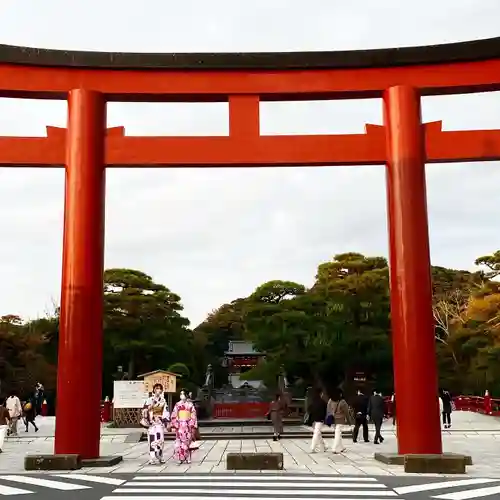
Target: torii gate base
x,y
403,144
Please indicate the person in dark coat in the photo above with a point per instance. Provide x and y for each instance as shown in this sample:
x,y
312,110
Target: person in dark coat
x,y
376,410
360,407
29,413
447,408
317,415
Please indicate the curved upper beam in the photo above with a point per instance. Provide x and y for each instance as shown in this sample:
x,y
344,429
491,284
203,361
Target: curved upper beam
x,y
439,69
476,50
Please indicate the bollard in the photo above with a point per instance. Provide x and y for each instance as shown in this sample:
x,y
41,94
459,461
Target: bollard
x,y
106,413
487,403
45,408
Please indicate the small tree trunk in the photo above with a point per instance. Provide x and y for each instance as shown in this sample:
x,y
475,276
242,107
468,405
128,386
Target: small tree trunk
x,y
131,366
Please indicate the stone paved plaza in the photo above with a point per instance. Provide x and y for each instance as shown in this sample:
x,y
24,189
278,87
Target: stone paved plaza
x,y
474,434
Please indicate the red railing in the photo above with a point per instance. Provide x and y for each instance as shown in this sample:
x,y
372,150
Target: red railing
x,y
478,404
240,410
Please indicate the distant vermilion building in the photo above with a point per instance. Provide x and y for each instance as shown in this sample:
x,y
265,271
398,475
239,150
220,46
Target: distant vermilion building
x,y
240,357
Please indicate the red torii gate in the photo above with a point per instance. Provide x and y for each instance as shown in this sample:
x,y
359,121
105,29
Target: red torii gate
x,y
400,76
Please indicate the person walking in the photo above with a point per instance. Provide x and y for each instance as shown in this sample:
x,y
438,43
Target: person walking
x,y
4,424
376,411
360,407
317,416
393,407
338,409
155,418
13,404
184,421
447,408
29,414
275,414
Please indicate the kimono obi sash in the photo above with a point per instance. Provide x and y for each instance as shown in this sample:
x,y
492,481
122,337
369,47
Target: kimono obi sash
x,y
184,415
157,411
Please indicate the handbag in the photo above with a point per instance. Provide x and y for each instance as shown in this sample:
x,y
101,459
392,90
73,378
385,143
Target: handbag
x,y
307,419
329,420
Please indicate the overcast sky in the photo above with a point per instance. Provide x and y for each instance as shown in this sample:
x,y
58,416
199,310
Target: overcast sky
x,y
214,235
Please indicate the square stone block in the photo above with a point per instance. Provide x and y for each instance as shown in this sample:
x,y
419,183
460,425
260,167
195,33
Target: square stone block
x,y
52,462
397,459
254,461
436,464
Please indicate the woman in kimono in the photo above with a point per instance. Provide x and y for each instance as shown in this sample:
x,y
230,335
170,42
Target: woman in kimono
x,y
156,417
184,423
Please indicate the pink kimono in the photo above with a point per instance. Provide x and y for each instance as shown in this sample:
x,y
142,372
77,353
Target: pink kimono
x,y
184,422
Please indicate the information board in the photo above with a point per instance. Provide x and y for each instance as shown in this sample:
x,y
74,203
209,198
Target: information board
x,y
129,394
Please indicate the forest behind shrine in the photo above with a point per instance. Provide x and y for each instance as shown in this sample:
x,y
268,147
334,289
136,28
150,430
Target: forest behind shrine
x,y
324,333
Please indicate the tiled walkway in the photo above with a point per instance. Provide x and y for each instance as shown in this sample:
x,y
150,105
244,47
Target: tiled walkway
x,y
473,434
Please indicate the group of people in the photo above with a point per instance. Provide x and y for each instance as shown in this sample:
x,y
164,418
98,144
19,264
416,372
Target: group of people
x,y
158,420
12,410
335,412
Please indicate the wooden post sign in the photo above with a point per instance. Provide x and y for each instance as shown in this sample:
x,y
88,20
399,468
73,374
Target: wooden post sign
x,y
167,379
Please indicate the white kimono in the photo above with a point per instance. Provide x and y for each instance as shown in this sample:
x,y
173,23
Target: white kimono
x,y
157,415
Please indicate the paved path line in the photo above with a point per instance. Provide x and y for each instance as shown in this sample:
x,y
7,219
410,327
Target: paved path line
x,y
188,477
233,497
281,493
477,493
91,479
258,483
46,483
415,488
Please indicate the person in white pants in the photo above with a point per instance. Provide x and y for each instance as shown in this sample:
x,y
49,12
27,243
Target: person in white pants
x,y
317,415
4,425
339,409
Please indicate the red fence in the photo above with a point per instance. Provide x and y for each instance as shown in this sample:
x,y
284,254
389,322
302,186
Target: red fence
x,y
485,405
478,404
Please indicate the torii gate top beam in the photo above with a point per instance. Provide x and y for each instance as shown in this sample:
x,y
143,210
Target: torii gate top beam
x,y
440,69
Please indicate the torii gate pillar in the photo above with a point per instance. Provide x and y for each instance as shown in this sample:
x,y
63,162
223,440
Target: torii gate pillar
x,y
414,352
79,378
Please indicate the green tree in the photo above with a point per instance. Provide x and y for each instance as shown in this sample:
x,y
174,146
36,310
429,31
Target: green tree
x,y
143,321
180,369
22,360
492,263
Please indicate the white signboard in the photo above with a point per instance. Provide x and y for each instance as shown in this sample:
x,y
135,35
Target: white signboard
x,y
129,394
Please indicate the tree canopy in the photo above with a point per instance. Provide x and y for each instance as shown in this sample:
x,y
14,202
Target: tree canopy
x,y
318,334
341,325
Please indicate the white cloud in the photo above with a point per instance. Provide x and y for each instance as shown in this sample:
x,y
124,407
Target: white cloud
x,y
214,235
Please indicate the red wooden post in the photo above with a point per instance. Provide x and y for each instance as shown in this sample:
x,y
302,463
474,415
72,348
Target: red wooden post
x,y
45,408
413,340
106,411
80,337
